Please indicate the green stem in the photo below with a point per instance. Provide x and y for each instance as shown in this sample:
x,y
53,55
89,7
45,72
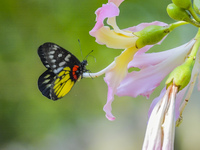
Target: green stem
x,y
196,45
177,24
192,12
195,23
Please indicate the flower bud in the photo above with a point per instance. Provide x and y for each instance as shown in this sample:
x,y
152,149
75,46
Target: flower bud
x,y
181,75
178,13
151,35
196,4
185,4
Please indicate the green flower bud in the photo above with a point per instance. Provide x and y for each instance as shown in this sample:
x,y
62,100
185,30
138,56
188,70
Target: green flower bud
x,y
178,13
181,75
185,4
196,4
151,35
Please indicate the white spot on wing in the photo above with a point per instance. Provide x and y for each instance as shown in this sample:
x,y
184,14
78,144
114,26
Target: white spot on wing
x,y
67,57
53,60
46,81
47,76
48,85
55,47
51,52
50,56
61,63
59,55
57,70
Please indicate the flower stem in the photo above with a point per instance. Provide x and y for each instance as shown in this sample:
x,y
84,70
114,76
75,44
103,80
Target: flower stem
x,y
192,12
177,24
196,46
185,102
192,57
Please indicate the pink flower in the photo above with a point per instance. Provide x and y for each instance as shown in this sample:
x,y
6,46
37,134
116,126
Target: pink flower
x,y
160,131
166,110
154,68
118,39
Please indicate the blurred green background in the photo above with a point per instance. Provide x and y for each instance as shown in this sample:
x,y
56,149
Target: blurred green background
x,y
30,121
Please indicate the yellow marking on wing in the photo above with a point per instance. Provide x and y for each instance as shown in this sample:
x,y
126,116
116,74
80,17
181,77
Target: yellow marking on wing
x,y
66,77
67,68
66,88
60,81
57,80
59,89
61,73
63,86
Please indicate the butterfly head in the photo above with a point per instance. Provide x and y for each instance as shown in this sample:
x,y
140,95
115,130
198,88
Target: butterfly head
x,y
82,68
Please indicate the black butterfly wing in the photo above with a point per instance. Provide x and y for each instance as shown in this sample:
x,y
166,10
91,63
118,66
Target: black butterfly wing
x,y
55,57
56,86
45,83
60,77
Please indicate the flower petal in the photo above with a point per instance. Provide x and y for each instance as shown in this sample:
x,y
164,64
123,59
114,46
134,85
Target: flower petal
x,y
112,39
147,79
115,75
153,136
150,59
106,11
116,2
169,122
155,101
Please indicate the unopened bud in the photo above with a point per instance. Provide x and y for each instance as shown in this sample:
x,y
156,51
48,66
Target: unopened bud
x,y
151,35
185,4
178,13
181,75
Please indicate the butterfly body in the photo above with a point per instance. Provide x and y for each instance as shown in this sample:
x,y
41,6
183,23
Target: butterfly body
x,y
63,70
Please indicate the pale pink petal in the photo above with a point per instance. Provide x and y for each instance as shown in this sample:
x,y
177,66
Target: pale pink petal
x,y
107,107
146,80
144,49
161,125
144,25
115,75
168,125
153,136
112,39
106,11
144,60
179,99
116,2
156,100
143,82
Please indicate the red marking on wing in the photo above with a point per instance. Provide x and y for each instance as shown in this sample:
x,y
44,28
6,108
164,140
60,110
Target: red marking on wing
x,y
74,69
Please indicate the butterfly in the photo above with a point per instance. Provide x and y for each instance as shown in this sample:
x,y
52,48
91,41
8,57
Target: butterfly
x,y
63,70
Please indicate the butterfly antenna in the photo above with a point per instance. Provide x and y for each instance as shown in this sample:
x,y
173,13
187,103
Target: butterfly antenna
x,y
90,55
80,48
87,54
